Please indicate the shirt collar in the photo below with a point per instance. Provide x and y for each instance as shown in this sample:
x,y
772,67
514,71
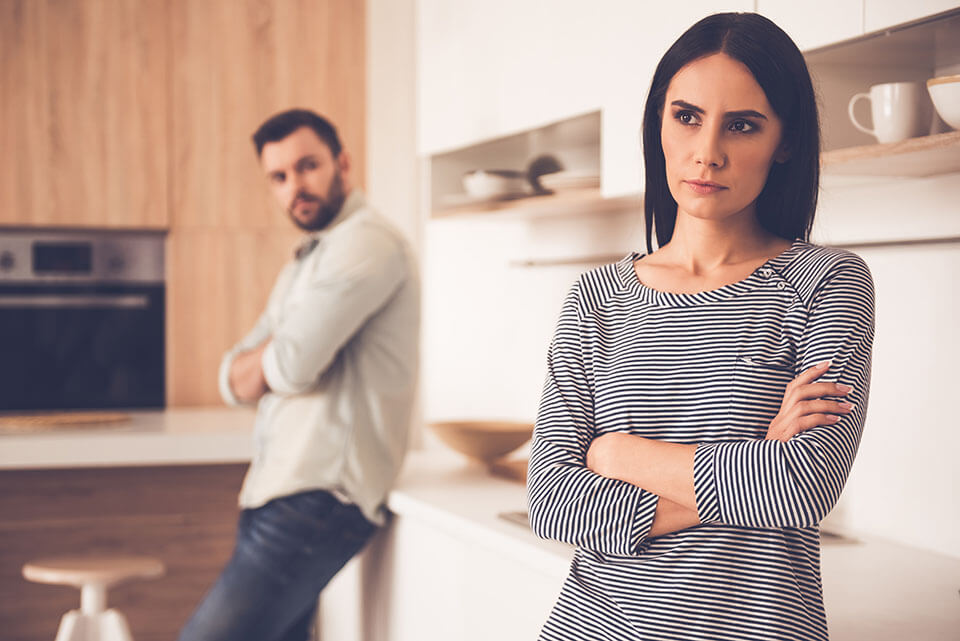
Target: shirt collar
x,y
354,201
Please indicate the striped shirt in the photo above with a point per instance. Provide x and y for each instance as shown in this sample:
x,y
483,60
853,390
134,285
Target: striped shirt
x,y
708,368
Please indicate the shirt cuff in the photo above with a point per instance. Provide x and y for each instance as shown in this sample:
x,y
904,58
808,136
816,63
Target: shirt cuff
x,y
643,520
705,483
223,379
276,381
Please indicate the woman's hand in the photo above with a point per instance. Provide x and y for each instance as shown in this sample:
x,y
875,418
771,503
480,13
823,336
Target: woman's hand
x,y
804,405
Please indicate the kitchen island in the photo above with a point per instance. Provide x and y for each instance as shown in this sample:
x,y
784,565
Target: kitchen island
x,y
449,566
160,484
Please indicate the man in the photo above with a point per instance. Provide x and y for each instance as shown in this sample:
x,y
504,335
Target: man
x,y
332,365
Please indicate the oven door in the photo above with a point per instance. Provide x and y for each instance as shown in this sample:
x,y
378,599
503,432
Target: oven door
x,y
81,347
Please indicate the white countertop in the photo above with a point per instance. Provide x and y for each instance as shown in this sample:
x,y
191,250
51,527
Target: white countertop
x,y
186,436
872,589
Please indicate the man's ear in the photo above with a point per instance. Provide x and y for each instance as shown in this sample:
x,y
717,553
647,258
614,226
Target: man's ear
x,y
344,161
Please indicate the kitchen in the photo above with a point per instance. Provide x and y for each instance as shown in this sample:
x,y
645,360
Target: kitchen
x,y
429,91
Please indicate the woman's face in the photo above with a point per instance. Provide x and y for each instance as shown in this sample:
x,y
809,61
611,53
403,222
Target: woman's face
x,y
720,137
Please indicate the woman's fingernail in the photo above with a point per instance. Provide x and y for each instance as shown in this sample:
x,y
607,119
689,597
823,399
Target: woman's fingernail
x,y
845,405
843,388
834,418
823,365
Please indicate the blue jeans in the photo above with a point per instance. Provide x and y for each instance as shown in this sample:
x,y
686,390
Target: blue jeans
x,y
286,552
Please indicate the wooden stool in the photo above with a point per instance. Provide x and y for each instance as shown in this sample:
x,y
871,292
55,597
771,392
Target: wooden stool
x,y
93,621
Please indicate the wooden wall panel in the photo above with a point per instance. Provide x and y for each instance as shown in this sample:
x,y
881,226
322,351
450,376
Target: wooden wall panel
x,y
85,125
183,515
234,64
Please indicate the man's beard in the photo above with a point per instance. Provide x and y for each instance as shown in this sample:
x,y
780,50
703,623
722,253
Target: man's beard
x,y
326,211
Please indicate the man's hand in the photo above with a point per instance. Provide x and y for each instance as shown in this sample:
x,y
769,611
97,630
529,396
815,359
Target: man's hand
x,y
804,405
246,375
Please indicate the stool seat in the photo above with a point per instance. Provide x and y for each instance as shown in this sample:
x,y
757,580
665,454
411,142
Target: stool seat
x,y
79,571
93,575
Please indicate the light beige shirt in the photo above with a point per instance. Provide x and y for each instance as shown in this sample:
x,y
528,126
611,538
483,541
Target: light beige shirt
x,y
344,322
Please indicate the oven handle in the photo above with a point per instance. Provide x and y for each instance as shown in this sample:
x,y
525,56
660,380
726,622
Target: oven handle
x,y
48,301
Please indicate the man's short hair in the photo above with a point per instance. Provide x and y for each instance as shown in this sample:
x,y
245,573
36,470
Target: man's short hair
x,y
281,125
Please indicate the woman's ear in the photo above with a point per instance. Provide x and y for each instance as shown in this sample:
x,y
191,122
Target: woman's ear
x,y
783,153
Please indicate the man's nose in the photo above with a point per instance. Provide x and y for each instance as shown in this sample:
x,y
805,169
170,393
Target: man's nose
x,y
709,151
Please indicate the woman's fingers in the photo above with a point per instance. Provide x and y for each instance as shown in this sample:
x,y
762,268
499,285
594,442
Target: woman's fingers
x,y
811,374
823,406
818,390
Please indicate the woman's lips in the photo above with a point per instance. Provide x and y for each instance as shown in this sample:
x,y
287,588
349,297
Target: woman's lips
x,y
704,186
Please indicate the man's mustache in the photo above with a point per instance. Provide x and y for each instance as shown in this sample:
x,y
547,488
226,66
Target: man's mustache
x,y
304,197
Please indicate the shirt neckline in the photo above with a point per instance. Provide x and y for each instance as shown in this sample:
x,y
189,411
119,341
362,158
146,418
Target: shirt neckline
x,y
765,274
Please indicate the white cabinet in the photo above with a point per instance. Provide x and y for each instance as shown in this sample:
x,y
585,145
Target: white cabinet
x,y
880,14
815,23
490,68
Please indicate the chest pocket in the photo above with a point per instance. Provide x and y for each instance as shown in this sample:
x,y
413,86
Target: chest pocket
x,y
756,393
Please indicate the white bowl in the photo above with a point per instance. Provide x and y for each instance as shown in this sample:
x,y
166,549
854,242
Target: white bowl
x,y
945,94
495,183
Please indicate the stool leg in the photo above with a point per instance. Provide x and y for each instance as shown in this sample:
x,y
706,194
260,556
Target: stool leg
x,y
73,627
93,598
113,627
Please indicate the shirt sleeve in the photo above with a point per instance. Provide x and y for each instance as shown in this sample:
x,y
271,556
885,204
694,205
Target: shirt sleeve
x,y
767,483
353,278
566,501
256,336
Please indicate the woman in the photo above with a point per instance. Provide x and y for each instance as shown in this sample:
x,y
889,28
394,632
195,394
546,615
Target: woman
x,y
704,402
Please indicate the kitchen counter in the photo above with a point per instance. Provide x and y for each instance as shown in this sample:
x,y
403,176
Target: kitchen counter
x,y
209,435
873,589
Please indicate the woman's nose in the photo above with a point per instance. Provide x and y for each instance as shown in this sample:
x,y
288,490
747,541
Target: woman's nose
x,y
709,151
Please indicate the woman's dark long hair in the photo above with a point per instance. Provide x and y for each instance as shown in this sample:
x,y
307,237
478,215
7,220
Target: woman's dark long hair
x,y
787,203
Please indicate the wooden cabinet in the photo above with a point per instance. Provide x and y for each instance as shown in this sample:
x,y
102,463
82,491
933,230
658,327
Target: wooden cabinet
x,y
83,118
264,57
228,236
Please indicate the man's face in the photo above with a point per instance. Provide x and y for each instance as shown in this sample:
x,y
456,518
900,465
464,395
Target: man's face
x,y
305,178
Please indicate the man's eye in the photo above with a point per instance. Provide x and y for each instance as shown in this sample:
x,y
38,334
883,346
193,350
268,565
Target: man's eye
x,y
308,165
278,178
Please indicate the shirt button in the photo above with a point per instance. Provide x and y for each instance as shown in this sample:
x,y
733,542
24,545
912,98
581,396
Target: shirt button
x,y
781,285
766,272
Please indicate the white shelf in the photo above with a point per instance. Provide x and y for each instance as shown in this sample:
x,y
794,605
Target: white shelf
x,y
915,157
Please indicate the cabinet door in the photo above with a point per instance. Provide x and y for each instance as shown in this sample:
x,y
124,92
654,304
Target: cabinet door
x,y
815,23
488,68
84,109
879,14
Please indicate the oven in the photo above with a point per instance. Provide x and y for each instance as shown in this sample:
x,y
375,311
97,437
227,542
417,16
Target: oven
x,y
81,320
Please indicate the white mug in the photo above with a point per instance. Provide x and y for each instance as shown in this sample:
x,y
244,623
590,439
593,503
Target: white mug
x,y
900,110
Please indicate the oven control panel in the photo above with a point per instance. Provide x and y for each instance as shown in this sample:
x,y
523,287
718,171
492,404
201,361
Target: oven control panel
x,y
41,256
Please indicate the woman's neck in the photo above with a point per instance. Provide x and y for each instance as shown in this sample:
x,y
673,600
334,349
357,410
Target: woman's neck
x,y
700,246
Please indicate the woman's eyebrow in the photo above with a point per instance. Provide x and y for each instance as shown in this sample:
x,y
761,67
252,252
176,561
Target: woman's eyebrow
x,y
742,113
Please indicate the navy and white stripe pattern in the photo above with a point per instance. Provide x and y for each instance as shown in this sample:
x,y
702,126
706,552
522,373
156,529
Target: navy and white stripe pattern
x,y
707,368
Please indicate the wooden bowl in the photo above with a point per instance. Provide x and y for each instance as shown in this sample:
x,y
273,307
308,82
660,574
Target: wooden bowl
x,y
483,441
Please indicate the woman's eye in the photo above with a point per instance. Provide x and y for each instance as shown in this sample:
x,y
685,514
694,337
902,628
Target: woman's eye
x,y
685,117
742,126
